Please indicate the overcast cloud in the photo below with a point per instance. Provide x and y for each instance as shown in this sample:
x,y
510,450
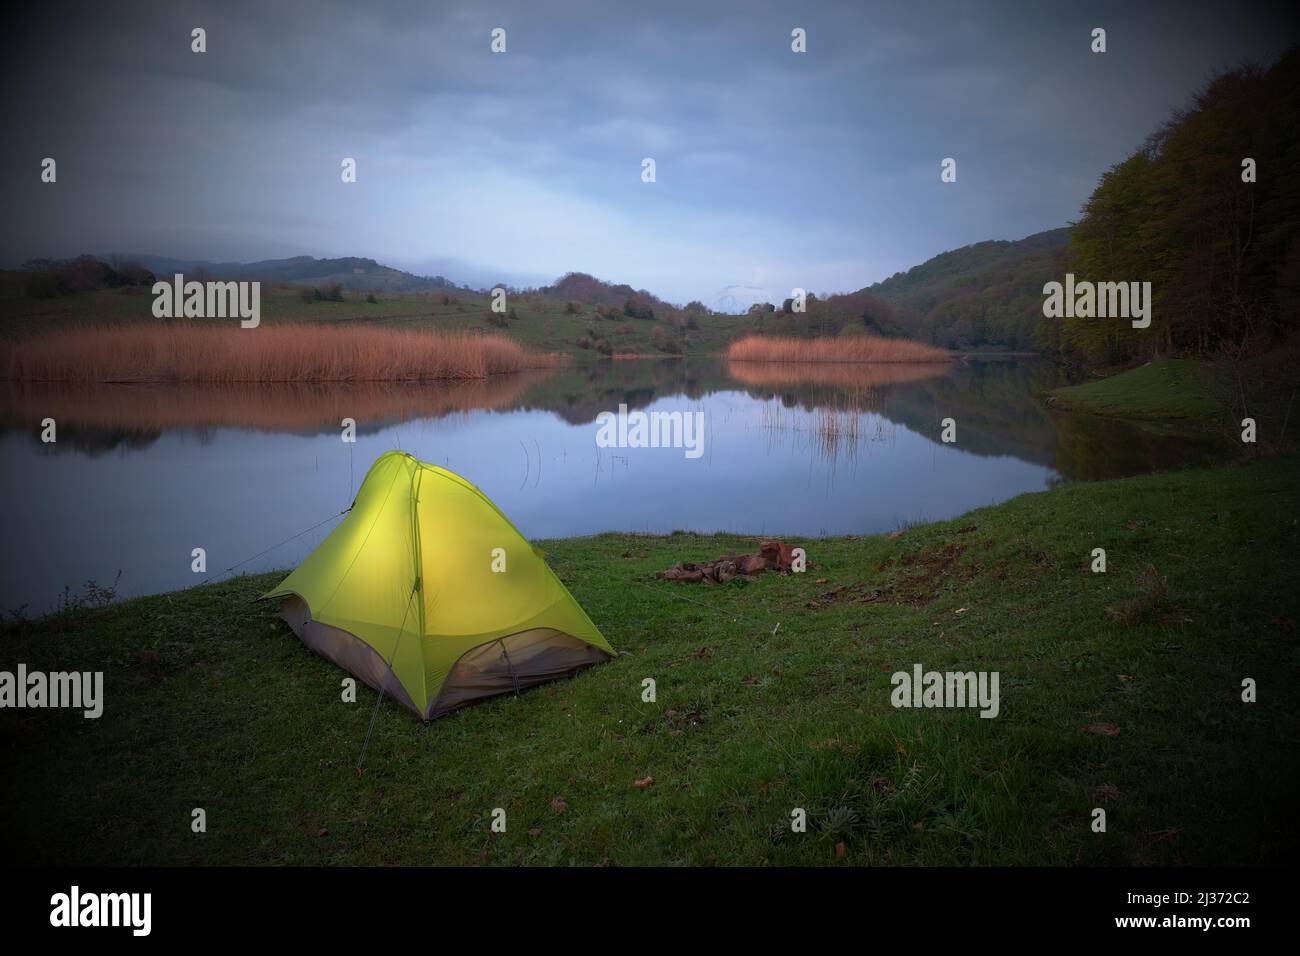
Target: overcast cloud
x,y
774,169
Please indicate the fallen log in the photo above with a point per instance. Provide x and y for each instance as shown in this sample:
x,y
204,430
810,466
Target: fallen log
x,y
772,556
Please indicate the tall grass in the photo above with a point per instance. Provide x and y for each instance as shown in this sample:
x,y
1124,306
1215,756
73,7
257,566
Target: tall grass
x,y
826,431
855,348
269,353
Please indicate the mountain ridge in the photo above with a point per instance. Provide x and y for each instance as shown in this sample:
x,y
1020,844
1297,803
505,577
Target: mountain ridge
x,y
354,272
985,294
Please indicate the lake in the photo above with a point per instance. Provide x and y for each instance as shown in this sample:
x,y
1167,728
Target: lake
x,y
141,475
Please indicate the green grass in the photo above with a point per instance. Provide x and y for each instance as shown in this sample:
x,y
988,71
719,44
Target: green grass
x,y
212,702
1167,389
543,324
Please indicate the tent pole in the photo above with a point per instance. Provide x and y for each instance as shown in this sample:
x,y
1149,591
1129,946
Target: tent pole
x,y
383,685
514,679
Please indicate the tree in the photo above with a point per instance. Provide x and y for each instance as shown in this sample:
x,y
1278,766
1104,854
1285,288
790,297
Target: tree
x,y
1179,214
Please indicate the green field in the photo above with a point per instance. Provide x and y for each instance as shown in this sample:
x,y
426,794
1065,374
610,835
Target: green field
x,y
1167,389
541,323
212,703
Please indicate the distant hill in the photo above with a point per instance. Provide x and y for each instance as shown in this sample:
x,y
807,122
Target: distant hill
x,y
352,272
986,295
989,294
583,289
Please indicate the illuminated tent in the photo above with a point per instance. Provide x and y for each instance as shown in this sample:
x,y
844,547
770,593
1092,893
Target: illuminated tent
x,y
427,591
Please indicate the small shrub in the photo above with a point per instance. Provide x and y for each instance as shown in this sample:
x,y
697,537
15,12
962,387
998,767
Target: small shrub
x,y
665,342
638,309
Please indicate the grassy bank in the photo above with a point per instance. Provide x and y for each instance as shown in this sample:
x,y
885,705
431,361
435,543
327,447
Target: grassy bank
x,y
209,353
1167,389
211,702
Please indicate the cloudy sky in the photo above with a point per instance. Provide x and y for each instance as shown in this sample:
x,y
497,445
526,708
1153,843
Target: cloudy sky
x,y
774,169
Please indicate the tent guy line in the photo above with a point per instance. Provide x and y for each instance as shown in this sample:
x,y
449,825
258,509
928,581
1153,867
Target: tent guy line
x,y
212,577
769,625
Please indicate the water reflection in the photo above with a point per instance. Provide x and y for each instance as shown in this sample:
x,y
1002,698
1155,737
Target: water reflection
x,y
98,418
843,380
140,475
997,404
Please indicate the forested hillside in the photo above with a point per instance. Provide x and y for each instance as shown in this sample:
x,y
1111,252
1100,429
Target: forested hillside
x,y
987,295
1207,211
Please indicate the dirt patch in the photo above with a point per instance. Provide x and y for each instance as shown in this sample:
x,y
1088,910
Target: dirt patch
x,y
675,721
860,593
926,573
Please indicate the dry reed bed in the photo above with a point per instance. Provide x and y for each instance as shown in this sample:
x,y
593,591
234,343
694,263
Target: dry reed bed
x,y
278,353
843,349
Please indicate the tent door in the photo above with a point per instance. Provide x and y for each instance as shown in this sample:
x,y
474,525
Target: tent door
x,y
524,660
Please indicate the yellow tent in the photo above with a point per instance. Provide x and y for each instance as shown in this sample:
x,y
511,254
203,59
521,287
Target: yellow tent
x,y
427,590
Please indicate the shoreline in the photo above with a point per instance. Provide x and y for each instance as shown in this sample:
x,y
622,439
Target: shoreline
x,y
1008,585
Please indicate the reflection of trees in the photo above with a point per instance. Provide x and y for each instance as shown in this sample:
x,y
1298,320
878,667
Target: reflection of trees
x,y
851,376
996,406
578,393
995,403
1092,447
94,442
96,418
998,409
829,387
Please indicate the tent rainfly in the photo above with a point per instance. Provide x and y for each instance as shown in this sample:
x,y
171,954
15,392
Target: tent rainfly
x,y
426,590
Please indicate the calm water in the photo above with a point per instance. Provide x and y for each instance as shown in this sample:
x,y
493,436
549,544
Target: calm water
x,y
139,476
